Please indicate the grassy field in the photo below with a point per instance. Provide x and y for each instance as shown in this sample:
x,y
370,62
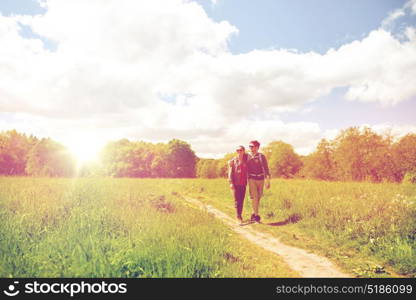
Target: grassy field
x,y
107,227
118,228
367,229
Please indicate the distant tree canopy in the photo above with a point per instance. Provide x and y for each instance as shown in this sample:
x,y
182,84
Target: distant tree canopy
x,y
282,160
51,159
181,159
404,156
361,155
354,155
358,155
207,168
14,149
128,159
213,168
140,159
320,164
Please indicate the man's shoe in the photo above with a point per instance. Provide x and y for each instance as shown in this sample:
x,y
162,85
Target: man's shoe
x,y
253,218
258,219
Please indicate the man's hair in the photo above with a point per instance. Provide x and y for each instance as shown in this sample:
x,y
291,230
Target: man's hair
x,y
255,143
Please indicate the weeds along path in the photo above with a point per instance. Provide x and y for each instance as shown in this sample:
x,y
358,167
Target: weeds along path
x,y
305,263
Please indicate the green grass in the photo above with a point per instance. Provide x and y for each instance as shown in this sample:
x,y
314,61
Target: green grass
x,y
368,229
105,227
118,228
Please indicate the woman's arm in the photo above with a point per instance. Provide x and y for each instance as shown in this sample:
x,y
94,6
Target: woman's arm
x,y
230,174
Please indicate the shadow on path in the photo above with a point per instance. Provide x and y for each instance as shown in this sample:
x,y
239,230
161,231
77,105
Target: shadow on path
x,y
281,223
292,219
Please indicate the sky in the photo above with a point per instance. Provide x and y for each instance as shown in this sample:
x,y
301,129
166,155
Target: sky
x,y
215,73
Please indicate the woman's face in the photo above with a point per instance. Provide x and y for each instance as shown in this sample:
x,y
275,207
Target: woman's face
x,y
240,151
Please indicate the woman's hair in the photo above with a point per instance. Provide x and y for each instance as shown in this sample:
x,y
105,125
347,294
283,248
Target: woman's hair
x,y
245,157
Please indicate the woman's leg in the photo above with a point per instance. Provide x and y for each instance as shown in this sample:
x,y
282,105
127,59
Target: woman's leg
x,y
240,191
236,198
242,197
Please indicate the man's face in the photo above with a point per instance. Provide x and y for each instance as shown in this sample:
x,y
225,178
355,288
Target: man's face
x,y
254,149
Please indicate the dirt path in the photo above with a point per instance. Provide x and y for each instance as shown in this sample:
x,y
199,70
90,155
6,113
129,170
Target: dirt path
x,y
305,263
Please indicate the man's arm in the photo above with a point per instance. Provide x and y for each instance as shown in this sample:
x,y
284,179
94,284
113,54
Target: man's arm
x,y
266,167
266,171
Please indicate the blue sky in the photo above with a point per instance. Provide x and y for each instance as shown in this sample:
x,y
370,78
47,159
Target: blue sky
x,y
298,24
354,113
9,7
316,26
70,76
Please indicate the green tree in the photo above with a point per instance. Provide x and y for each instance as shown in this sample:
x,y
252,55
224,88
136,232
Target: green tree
x,y
14,149
320,164
222,165
201,168
282,159
207,168
124,158
181,159
404,152
116,158
159,165
49,158
363,155
141,156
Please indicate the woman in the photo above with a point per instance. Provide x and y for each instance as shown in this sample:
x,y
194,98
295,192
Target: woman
x,y
237,177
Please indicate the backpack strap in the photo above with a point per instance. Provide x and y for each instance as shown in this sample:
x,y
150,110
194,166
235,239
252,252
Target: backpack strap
x,y
262,165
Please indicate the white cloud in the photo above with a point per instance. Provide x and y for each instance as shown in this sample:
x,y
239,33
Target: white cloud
x,y
115,60
379,68
408,8
393,16
411,4
397,131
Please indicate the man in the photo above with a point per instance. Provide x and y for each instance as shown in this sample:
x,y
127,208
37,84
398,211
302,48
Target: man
x,y
258,172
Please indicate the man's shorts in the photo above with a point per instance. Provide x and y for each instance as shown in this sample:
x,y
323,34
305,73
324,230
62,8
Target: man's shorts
x,y
256,188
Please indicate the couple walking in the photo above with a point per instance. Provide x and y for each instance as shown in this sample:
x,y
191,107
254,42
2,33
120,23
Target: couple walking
x,y
252,169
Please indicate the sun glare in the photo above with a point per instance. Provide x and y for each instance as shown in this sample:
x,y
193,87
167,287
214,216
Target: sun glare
x,y
84,149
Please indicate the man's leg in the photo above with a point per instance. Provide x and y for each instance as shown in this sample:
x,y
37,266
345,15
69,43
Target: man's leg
x,y
259,188
254,195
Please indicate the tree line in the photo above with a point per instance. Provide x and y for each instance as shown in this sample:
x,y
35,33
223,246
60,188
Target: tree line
x,y
22,155
354,155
